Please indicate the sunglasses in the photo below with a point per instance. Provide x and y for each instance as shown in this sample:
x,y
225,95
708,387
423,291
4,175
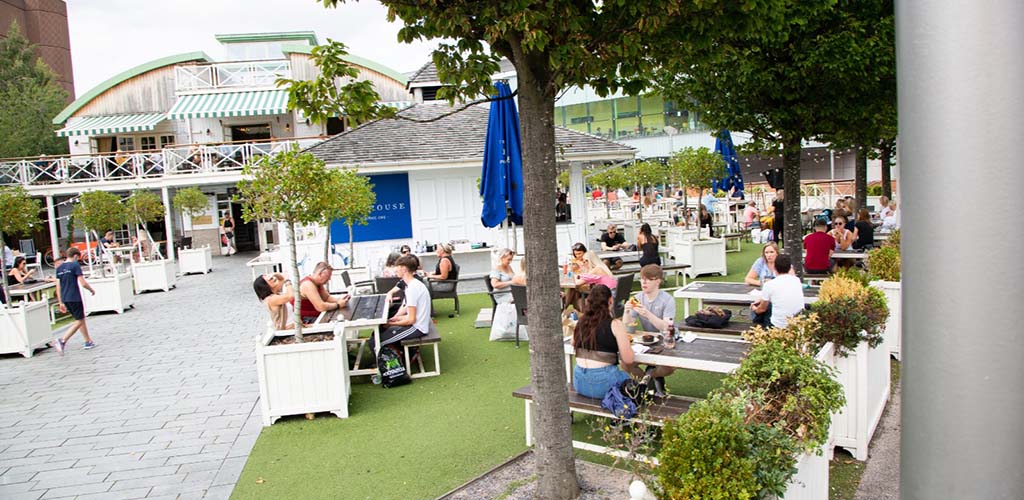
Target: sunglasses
x,y
837,224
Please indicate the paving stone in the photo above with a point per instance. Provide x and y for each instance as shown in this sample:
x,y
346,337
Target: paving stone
x,y
80,489
131,494
222,492
168,479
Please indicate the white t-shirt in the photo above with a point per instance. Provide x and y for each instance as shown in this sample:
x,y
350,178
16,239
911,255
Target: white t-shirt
x,y
786,294
416,295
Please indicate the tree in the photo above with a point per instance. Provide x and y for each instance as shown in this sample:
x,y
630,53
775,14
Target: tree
x,y
554,45
644,174
358,204
695,168
18,213
190,201
777,84
143,206
30,97
611,179
293,188
99,211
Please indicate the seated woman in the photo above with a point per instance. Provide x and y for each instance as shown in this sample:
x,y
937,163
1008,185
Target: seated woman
x,y
390,266
590,271
763,268
269,288
445,269
843,238
501,276
20,273
601,342
863,231
405,250
648,245
706,220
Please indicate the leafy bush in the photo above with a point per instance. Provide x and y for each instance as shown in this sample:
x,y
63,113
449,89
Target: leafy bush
x,y
893,240
850,314
798,335
852,273
884,263
789,391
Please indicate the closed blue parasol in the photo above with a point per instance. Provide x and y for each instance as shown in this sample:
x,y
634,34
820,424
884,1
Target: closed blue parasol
x,y
501,179
733,175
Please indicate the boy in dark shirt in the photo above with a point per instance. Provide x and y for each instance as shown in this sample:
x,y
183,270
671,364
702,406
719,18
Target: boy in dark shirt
x,y
69,277
612,241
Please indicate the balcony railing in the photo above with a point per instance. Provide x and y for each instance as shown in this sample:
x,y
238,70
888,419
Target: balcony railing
x,y
248,74
172,161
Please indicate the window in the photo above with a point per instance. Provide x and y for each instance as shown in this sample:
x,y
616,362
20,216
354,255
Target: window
x,y
147,143
126,143
166,141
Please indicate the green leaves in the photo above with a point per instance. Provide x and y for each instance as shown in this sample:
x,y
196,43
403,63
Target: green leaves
x,y
884,263
144,206
696,167
191,201
99,211
18,211
30,97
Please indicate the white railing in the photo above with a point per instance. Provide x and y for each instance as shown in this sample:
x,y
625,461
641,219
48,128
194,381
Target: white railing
x,y
175,160
230,75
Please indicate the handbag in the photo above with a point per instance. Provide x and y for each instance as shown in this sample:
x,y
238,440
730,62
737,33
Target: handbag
x,y
710,318
618,403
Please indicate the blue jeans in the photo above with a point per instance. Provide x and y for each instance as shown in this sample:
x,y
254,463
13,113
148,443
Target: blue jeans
x,y
595,382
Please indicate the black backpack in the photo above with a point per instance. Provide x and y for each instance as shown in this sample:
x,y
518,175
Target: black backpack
x,y
392,372
706,320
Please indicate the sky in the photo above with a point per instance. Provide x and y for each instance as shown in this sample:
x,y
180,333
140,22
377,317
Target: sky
x,y
110,36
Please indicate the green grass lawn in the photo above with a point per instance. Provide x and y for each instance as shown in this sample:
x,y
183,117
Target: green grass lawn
x,y
421,440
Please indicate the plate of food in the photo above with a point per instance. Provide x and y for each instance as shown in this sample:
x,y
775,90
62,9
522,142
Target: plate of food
x,y
646,338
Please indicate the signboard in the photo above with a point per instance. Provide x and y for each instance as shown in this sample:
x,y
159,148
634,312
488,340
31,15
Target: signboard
x,y
390,219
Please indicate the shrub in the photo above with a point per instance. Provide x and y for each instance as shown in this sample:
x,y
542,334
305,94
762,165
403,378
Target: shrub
x,y
847,320
884,263
838,287
852,273
789,391
893,240
798,335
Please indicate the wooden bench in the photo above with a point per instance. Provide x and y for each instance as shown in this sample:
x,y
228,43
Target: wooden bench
x,y
815,278
431,339
655,413
733,237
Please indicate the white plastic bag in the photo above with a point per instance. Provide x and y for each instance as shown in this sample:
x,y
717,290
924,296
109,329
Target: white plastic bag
x,y
503,326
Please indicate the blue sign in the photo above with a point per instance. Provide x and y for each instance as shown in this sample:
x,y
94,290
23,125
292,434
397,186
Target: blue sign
x,y
390,218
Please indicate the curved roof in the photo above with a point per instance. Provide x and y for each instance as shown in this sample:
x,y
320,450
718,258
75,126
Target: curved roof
x,y
126,75
298,48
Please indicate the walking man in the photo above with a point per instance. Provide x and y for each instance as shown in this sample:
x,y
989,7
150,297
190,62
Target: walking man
x,y
69,278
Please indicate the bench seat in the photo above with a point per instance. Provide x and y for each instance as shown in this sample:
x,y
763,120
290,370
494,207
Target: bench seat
x,y
433,338
733,237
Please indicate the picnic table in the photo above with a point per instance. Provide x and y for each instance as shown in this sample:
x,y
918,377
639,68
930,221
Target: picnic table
x,y
726,292
705,354
627,256
30,291
849,254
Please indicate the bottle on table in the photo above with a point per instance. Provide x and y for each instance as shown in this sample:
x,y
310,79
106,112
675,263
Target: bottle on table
x,y
669,333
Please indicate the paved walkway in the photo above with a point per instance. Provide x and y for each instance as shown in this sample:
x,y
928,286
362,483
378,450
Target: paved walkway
x,y
881,479
164,407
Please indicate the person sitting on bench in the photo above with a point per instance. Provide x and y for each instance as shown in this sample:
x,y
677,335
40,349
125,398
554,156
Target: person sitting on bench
x,y
601,342
818,248
612,241
412,319
315,298
781,298
654,310
275,292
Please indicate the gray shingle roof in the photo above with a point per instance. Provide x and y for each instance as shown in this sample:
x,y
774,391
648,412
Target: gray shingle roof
x,y
454,138
426,73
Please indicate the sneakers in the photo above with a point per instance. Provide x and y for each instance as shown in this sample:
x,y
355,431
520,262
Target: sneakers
x,y
89,345
60,346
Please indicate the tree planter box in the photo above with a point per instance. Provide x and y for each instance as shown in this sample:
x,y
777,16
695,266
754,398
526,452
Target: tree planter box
x,y
24,328
302,378
703,256
154,275
113,293
195,260
894,325
864,375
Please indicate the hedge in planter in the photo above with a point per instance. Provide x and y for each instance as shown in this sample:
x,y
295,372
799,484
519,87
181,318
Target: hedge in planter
x,y
849,313
884,263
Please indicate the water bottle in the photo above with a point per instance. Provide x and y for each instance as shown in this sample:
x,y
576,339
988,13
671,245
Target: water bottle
x,y
670,333
375,378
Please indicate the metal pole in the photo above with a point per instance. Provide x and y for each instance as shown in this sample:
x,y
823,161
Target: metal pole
x,y
832,178
168,223
960,77
51,215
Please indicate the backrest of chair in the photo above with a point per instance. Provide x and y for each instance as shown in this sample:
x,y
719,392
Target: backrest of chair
x,y
383,284
345,279
623,287
519,299
490,290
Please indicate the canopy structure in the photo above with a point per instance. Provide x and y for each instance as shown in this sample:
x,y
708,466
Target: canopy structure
x,y
227,104
112,124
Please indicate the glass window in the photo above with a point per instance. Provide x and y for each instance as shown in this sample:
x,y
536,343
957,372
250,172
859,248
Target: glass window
x,y
627,116
602,123
166,141
126,143
147,143
577,117
652,114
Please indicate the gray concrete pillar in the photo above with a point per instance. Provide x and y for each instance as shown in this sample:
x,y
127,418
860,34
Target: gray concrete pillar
x,y
961,103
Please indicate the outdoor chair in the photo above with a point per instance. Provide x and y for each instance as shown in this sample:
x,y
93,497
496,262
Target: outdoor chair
x,y
623,287
444,289
519,299
383,285
492,294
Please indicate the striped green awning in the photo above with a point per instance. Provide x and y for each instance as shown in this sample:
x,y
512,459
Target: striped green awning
x,y
254,103
112,124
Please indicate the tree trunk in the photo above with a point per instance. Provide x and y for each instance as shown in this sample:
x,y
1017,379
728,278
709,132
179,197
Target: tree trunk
x,y
886,170
351,248
700,201
555,464
792,229
289,229
607,205
860,178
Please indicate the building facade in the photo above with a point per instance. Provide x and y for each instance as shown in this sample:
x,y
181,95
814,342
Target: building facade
x,y
45,24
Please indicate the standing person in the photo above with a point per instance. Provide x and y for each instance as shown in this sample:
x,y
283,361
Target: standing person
x,y
315,298
648,244
229,233
781,298
412,319
705,220
9,256
778,206
69,279
818,248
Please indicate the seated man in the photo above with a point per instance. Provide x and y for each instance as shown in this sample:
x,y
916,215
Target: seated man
x,y
612,241
315,298
108,241
782,296
412,319
655,310
818,248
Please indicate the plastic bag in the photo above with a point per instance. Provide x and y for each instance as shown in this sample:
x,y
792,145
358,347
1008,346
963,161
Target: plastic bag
x,y
503,326
392,372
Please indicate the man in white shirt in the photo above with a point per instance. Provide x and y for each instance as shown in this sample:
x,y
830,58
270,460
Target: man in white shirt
x,y
413,319
784,294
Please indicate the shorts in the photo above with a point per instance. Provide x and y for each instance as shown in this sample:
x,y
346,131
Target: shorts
x,y
595,382
75,309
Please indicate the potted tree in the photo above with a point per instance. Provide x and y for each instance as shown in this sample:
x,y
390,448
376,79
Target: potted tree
x,y
192,202
695,168
24,326
884,273
100,211
149,274
851,317
295,188
356,206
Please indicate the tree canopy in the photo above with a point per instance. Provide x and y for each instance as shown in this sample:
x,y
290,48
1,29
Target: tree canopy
x,y
144,206
30,97
99,211
358,199
190,201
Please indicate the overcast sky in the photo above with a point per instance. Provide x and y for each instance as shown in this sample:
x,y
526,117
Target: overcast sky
x,y
110,36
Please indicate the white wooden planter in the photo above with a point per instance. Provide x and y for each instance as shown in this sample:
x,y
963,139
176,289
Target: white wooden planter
x,y
302,378
24,327
195,260
704,256
864,375
893,326
154,275
113,293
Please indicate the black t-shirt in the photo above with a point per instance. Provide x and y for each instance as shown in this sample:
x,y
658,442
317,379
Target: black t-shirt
x,y
605,339
865,234
618,239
